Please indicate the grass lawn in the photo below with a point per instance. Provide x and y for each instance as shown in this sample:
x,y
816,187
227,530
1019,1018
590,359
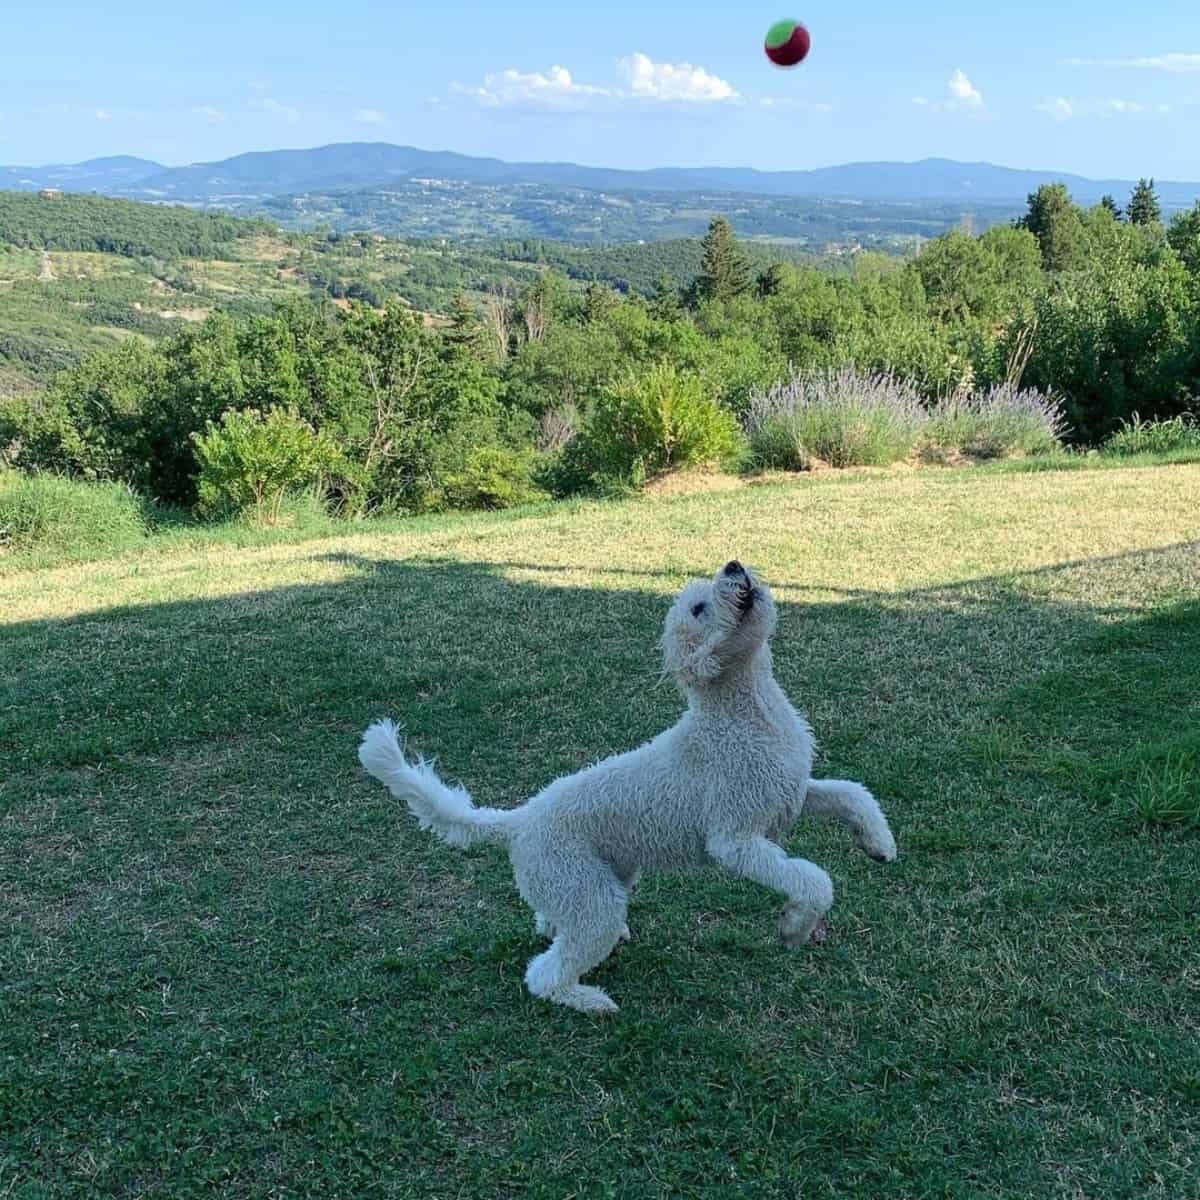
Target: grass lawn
x,y
230,965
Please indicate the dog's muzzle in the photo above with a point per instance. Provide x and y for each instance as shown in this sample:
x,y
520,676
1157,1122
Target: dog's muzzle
x,y
747,593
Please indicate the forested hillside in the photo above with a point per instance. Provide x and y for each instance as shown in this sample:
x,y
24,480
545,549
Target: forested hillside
x,y
68,221
83,273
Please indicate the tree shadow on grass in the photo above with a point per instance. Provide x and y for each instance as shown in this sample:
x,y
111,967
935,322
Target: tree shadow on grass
x,y
204,889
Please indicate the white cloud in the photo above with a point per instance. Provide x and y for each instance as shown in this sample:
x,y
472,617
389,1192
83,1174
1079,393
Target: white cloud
x,y
964,91
102,114
369,116
1064,108
209,112
1174,62
284,111
961,94
673,81
557,89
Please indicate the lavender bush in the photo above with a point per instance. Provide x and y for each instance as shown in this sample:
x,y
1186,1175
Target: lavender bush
x,y
842,417
1004,420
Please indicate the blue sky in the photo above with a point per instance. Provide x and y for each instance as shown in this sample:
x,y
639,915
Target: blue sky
x,y
1098,87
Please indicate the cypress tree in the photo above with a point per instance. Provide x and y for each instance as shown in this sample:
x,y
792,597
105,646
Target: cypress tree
x,y
724,273
1143,207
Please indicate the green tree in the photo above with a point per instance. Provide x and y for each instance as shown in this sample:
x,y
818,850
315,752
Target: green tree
x,y
464,334
1057,224
774,279
1110,206
724,273
599,300
1144,208
952,271
94,419
665,304
1117,339
1184,238
425,407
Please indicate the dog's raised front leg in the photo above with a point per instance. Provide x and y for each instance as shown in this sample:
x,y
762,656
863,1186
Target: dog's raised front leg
x,y
855,807
809,889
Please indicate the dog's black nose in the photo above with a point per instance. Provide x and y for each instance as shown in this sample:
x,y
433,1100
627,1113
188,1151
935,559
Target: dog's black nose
x,y
734,568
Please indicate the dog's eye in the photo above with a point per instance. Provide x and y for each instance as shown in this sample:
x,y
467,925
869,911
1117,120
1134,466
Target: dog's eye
x,y
698,609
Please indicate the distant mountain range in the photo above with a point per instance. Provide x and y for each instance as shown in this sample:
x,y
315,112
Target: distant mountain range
x,y
107,175
374,165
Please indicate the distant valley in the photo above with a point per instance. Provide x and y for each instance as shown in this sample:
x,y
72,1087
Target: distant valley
x,y
410,192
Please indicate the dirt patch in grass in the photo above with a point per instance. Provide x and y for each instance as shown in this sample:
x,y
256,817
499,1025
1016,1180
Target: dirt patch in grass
x,y
185,314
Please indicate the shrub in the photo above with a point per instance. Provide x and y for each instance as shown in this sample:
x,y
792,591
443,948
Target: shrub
x,y
840,417
649,424
1001,421
1155,437
67,516
252,460
1121,338
495,477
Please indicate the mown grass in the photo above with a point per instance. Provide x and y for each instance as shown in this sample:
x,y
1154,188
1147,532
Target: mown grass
x,y
233,967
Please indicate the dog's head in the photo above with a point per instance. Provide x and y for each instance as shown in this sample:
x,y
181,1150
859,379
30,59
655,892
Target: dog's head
x,y
716,625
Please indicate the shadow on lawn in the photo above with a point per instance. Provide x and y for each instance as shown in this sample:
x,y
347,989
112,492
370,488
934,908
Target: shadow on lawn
x,y
530,678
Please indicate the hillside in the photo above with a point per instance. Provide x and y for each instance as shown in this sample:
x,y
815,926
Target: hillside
x,y
108,175
407,192
464,210
82,273
96,223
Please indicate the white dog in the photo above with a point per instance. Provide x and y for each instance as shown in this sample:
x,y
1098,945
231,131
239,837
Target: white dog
x,y
732,775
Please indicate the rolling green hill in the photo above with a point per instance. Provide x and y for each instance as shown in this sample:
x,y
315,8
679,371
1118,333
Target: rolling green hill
x,y
83,273
82,222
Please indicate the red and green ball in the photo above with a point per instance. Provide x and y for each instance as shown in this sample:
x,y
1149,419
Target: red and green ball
x,y
788,43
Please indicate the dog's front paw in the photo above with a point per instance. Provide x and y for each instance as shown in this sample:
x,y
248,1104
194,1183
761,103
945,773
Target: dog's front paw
x,y
801,926
877,842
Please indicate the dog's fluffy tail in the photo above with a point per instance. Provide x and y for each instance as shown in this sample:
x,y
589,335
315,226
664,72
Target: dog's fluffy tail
x,y
448,811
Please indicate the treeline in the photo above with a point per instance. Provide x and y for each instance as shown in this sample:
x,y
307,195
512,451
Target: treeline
x,y
355,266
96,223
558,388
638,266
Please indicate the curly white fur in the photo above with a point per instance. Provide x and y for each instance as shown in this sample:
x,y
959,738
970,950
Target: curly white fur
x,y
733,774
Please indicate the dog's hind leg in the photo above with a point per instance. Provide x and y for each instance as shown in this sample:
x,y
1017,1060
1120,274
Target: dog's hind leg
x,y
855,807
809,889
543,925
629,880
586,909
